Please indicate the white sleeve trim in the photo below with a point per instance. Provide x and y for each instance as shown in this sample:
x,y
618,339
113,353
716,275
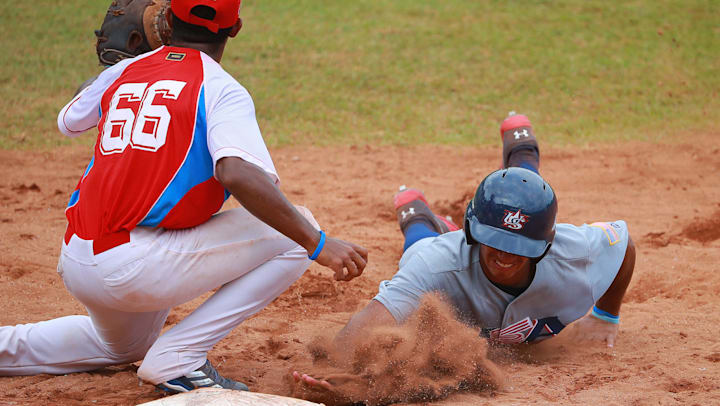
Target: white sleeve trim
x,y
245,156
61,120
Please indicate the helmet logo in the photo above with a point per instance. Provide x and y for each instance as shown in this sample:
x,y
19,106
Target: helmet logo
x,y
515,220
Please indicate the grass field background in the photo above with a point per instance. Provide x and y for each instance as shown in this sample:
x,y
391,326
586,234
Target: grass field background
x,y
409,71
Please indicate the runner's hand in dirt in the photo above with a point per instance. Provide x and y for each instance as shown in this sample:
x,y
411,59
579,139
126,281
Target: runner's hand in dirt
x,y
337,388
311,382
340,255
591,328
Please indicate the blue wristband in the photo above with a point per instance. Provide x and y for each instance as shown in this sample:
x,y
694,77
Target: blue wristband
x,y
605,316
320,246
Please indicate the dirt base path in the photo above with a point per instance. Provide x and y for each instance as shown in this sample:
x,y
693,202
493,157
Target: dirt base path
x,y
667,352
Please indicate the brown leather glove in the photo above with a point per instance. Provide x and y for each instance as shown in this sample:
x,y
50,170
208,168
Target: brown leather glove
x,y
131,28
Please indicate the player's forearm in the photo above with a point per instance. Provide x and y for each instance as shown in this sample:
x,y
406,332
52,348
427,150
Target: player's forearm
x,y
375,314
612,299
252,187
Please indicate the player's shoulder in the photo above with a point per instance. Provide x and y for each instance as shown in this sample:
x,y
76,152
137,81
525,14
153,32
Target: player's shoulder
x,y
447,252
219,84
214,72
112,72
573,242
147,57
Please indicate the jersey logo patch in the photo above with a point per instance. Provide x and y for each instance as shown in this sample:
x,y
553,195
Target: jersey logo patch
x,y
528,330
609,230
175,56
515,220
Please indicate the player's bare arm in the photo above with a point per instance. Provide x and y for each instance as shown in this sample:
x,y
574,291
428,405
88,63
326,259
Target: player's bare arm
x,y
612,299
373,315
603,323
252,187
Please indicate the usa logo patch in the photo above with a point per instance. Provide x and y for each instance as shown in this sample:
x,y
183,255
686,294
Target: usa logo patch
x,y
515,220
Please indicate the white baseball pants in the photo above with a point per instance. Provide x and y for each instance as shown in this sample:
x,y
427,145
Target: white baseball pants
x,y
129,290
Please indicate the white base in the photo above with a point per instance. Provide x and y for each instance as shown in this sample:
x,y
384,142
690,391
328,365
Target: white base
x,y
227,397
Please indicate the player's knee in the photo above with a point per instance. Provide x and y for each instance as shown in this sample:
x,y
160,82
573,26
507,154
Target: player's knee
x,y
149,372
155,365
162,363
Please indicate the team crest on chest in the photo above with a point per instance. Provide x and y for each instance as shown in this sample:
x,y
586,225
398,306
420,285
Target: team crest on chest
x,y
515,220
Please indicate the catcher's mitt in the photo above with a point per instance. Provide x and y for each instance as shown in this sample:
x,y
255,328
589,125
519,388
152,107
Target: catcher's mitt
x,y
130,28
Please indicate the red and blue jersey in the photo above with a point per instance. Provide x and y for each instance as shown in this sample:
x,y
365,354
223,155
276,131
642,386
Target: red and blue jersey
x,y
164,119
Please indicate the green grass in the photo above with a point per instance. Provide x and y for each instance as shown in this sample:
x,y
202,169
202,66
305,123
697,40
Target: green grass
x,y
408,71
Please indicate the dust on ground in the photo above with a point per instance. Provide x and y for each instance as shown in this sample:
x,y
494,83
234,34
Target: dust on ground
x,y
429,357
667,351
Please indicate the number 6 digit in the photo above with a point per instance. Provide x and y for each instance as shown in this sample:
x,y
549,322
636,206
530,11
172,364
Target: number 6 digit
x,y
150,130
119,122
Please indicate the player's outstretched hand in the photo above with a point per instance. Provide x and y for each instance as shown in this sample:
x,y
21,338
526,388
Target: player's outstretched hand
x,y
346,259
591,328
305,379
336,388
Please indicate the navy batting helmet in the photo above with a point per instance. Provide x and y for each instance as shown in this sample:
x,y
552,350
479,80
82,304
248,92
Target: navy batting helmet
x,y
513,211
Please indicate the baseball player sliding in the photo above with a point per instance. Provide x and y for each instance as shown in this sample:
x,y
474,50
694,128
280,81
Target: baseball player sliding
x,y
177,135
512,271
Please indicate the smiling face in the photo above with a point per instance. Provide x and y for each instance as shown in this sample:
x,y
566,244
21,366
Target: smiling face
x,y
504,268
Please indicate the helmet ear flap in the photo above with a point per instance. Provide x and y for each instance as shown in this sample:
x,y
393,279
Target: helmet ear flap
x,y
536,260
547,249
468,235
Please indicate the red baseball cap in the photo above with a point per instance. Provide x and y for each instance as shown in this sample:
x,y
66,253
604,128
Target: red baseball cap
x,y
226,12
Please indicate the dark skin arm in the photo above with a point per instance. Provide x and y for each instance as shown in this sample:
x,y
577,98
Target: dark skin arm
x,y
256,191
612,299
592,328
374,314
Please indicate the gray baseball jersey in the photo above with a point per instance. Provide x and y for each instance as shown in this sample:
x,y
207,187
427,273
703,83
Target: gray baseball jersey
x,y
579,267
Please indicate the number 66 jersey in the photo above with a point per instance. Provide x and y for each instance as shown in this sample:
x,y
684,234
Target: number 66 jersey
x,y
164,119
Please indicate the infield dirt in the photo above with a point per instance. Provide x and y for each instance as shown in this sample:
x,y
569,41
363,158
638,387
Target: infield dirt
x,y
667,351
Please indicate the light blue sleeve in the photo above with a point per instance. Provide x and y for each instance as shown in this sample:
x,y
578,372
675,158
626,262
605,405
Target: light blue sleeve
x,y
401,295
607,243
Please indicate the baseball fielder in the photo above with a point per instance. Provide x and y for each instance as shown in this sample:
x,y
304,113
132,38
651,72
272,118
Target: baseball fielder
x,y
177,135
512,272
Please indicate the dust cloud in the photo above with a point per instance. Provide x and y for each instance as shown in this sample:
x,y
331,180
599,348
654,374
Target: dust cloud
x,y
427,358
